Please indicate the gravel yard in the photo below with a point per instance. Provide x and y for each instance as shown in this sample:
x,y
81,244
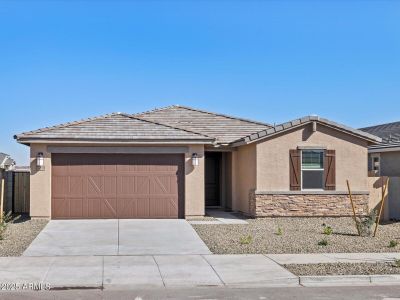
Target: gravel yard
x,y
19,234
344,269
298,235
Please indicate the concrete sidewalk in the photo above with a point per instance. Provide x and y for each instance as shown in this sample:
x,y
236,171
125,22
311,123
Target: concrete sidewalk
x,y
323,258
112,272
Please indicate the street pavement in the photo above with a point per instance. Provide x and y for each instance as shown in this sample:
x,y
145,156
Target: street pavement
x,y
287,293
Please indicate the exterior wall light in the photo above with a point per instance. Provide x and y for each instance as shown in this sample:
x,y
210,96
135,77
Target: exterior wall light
x,y
39,160
195,159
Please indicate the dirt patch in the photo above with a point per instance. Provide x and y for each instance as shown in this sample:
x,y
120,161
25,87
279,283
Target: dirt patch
x,y
19,235
344,269
296,235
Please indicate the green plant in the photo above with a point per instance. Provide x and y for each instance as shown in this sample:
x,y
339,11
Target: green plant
x,y
393,243
245,240
327,230
323,242
279,231
5,218
365,223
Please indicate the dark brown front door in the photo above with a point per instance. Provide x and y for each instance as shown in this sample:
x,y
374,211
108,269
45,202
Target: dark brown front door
x,y
212,176
101,186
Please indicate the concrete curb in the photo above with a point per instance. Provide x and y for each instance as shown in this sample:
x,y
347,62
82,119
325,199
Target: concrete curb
x,y
345,280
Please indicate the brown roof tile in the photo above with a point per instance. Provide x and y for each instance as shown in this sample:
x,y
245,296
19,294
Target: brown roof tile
x,y
225,129
115,126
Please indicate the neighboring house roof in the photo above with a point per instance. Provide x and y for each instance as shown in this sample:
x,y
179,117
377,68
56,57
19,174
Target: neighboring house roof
x,y
6,161
113,127
389,132
301,122
225,129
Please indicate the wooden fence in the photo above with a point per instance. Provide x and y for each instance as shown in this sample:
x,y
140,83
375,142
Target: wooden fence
x,y
21,192
16,192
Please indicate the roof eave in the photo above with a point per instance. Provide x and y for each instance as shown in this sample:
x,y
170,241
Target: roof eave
x,y
30,140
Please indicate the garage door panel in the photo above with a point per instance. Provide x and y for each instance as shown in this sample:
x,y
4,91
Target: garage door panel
x,y
109,186
60,186
164,207
76,188
138,207
76,207
129,185
61,207
163,185
117,186
102,208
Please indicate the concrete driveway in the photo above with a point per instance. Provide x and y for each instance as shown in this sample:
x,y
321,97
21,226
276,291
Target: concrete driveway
x,y
116,237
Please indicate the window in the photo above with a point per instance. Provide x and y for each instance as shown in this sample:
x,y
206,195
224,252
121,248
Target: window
x,y
312,169
375,164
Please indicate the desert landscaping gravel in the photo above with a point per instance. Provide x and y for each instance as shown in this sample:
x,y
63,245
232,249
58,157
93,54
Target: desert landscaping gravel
x,y
344,269
19,234
299,235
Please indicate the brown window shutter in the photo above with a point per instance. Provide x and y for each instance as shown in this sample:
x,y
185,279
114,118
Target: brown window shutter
x,y
330,170
295,170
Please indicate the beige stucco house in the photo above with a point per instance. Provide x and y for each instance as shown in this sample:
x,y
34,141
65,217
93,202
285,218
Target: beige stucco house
x,y
174,162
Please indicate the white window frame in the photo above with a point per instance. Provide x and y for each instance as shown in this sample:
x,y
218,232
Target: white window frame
x,y
319,169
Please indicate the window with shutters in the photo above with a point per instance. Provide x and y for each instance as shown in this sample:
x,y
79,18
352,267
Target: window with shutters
x,y
312,169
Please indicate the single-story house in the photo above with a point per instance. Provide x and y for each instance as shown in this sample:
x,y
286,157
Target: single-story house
x,y
173,162
6,162
384,157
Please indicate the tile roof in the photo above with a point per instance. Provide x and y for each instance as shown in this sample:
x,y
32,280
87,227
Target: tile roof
x,y
115,126
6,161
225,129
300,122
389,132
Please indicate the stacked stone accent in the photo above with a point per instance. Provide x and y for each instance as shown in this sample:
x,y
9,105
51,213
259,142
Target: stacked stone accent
x,y
306,205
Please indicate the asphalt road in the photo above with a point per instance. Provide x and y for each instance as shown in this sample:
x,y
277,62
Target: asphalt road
x,y
354,293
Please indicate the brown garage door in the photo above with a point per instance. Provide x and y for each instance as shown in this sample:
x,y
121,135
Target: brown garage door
x,y
117,186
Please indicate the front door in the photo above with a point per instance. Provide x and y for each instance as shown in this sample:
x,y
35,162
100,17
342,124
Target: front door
x,y
212,178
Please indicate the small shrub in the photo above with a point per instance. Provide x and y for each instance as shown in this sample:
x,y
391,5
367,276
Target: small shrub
x,y
396,263
323,242
279,231
328,230
365,223
393,243
245,240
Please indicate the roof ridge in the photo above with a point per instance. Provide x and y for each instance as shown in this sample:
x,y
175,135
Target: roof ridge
x,y
67,124
206,112
301,121
165,125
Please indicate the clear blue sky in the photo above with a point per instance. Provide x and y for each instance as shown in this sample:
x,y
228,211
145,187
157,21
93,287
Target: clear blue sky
x,y
267,60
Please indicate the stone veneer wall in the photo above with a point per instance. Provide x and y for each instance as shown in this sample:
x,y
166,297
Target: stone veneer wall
x,y
306,204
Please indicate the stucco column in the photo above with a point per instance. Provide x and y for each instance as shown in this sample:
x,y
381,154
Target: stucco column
x,y
194,183
40,183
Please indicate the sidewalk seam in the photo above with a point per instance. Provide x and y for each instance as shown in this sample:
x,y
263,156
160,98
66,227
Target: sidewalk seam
x,y
102,274
118,239
159,271
48,269
216,273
